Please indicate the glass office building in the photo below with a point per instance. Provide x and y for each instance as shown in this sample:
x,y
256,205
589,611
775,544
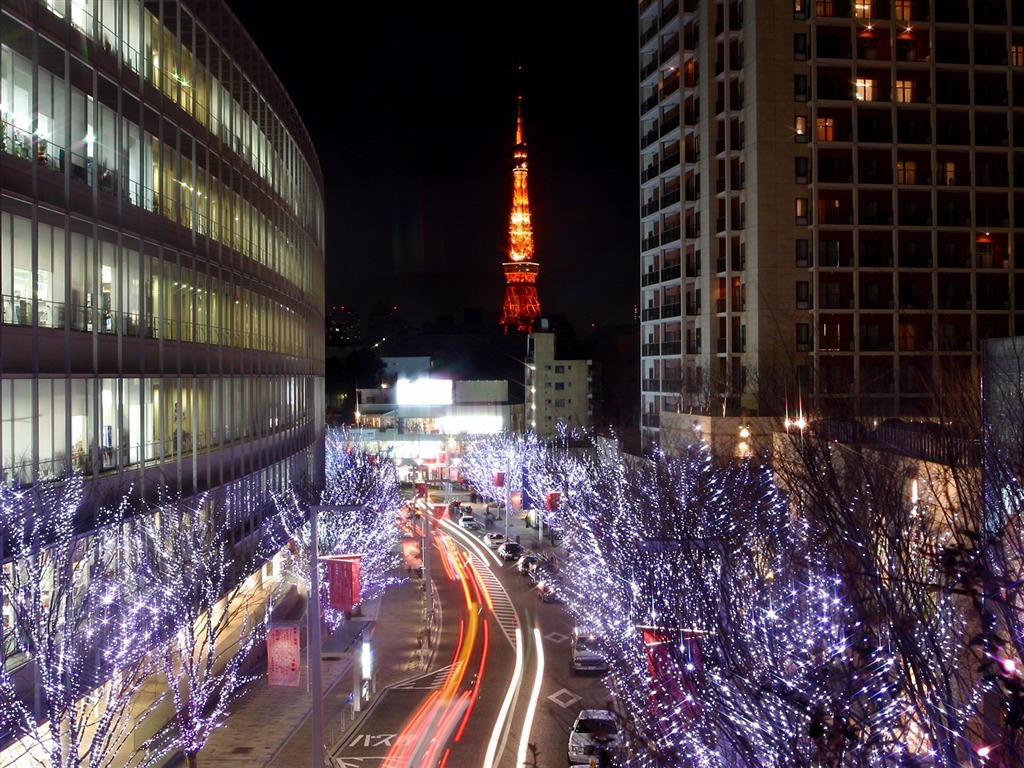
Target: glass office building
x,y
162,241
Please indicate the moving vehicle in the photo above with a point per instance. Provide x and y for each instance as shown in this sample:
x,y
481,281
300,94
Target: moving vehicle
x,y
586,656
594,735
469,522
494,540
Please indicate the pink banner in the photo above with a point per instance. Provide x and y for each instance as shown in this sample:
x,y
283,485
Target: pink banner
x,y
283,656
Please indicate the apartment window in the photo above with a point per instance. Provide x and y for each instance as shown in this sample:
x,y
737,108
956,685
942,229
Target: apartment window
x,y
825,8
559,402
826,129
803,337
803,294
949,173
1017,55
803,253
904,10
802,211
830,336
800,9
559,369
865,88
800,46
800,125
559,385
906,172
862,9
830,253
801,170
800,87
905,91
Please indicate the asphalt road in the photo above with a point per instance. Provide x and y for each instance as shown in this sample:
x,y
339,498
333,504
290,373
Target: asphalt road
x,y
453,714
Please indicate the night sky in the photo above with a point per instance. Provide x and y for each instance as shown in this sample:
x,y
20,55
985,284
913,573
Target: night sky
x,y
412,108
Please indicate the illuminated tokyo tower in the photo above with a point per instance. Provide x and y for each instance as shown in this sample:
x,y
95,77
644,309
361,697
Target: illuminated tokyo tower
x,y
521,307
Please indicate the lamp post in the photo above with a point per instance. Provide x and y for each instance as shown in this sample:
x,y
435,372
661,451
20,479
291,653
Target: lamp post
x,y
313,615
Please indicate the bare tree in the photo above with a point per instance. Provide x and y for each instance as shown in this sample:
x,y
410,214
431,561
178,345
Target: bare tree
x,y
205,582
83,626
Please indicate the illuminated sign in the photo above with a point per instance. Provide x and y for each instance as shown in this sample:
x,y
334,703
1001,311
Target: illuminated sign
x,y
424,392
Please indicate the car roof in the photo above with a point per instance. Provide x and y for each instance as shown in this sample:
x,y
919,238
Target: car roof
x,y
597,714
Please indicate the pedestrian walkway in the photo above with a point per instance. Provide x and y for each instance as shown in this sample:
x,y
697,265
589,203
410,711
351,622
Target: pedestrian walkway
x,y
271,726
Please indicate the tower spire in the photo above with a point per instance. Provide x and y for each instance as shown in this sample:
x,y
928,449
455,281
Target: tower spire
x,y
521,308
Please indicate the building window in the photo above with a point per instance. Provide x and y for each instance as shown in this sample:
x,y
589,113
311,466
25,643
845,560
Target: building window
x,y
801,170
800,9
1017,55
949,173
800,87
906,172
802,211
862,9
559,403
800,46
830,253
559,369
904,91
826,129
803,337
803,295
904,10
803,253
559,385
824,8
800,126
865,89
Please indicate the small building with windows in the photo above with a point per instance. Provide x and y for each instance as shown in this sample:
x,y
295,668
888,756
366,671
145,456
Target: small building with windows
x,y
558,392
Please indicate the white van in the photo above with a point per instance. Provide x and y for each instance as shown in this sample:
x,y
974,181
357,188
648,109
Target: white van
x,y
586,656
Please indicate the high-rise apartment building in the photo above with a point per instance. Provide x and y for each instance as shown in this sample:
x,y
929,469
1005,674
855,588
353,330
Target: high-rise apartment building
x,y
162,241
828,201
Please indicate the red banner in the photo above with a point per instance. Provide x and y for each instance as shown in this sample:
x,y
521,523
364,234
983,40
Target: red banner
x,y
342,581
551,503
283,656
673,663
515,499
499,479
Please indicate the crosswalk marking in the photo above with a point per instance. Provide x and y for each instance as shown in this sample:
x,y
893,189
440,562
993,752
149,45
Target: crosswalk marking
x,y
504,611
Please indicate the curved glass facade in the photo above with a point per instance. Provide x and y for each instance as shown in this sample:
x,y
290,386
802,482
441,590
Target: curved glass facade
x,y
162,240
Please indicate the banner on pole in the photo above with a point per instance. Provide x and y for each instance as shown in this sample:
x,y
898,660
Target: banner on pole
x,y
283,656
342,581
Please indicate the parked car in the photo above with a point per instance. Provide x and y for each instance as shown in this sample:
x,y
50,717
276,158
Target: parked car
x,y
525,563
586,656
549,590
469,522
595,734
494,540
510,550
540,570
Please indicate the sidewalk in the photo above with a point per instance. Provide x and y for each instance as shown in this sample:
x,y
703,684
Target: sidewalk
x,y
272,726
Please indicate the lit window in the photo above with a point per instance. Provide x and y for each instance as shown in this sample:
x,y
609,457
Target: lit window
x,y
824,8
862,9
801,210
906,171
865,89
1017,55
949,172
801,128
826,129
904,10
905,91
